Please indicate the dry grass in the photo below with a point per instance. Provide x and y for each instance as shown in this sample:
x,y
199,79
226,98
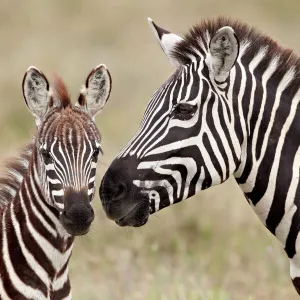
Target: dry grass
x,y
213,246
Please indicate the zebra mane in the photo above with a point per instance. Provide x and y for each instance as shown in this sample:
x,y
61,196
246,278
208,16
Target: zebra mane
x,y
198,38
60,93
12,175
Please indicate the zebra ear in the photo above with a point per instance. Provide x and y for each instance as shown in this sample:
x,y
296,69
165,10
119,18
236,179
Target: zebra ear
x,y
36,92
167,41
95,93
224,50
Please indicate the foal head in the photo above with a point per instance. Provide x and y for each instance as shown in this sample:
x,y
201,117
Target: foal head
x,y
67,143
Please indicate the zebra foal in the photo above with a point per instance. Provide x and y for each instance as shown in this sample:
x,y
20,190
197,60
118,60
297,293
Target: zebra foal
x,y
46,193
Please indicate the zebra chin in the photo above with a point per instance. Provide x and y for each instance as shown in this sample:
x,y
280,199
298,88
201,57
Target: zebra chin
x,y
137,216
127,208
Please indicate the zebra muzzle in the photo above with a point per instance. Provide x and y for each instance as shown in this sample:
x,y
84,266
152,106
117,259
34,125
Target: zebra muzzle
x,y
78,213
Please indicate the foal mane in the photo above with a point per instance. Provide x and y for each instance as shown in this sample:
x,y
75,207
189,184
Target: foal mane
x,y
12,175
60,91
198,38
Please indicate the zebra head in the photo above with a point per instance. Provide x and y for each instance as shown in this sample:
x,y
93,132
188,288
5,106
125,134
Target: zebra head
x,y
181,145
67,143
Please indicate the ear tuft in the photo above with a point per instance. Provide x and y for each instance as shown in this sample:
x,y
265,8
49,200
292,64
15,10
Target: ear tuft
x,y
35,88
167,41
224,50
94,95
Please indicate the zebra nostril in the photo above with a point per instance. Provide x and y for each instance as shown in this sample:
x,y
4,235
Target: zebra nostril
x,y
66,214
121,191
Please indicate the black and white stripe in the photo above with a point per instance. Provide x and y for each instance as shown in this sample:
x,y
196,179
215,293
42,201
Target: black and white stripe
x,y
230,108
46,192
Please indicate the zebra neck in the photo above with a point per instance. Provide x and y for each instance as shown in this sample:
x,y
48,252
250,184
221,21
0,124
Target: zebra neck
x,y
35,247
268,173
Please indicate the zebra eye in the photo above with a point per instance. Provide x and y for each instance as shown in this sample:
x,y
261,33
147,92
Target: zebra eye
x,y
46,155
184,111
97,151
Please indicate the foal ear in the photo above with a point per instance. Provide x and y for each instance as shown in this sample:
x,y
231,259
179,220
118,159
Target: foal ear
x,y
36,91
95,93
167,41
224,50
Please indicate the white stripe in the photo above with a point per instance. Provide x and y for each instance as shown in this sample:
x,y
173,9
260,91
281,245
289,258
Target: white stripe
x,y
57,193
3,294
57,258
63,278
53,181
154,131
92,179
45,209
262,208
18,284
290,208
247,188
163,183
30,259
36,212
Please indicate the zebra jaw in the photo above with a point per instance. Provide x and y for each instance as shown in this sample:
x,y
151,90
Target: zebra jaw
x,y
136,217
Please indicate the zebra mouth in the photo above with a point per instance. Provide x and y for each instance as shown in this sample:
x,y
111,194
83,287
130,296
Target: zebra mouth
x,y
76,226
75,230
78,233
136,217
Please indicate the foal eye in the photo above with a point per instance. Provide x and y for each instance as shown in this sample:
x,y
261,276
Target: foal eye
x,y
97,151
46,155
184,111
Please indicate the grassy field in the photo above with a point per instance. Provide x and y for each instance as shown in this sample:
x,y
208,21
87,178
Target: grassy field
x,y
211,248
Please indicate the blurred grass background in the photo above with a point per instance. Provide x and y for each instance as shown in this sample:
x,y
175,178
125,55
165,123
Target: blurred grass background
x,y
213,247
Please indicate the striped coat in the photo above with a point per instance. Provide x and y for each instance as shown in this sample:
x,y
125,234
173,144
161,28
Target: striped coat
x,y
46,192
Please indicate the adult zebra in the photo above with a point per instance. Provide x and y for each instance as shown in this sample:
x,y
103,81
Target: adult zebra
x,y
46,192
231,107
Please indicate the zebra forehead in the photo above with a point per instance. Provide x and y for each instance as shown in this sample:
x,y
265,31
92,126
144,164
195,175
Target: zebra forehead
x,y
68,124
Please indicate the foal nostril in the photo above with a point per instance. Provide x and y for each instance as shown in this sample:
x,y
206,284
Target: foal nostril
x,y
121,191
79,215
65,214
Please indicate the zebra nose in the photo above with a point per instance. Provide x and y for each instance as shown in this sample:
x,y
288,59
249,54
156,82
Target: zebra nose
x,y
112,189
120,191
79,215
77,219
114,193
